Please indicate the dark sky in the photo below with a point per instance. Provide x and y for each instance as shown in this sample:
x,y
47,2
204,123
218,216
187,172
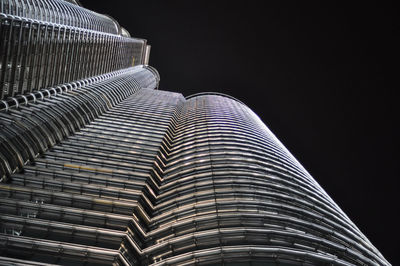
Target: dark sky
x,y
322,77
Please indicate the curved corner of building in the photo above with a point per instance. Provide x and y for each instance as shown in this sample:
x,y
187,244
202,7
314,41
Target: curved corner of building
x,y
216,94
155,73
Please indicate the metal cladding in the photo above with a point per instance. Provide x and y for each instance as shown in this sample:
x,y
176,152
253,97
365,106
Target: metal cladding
x,y
59,12
149,177
232,193
97,167
54,42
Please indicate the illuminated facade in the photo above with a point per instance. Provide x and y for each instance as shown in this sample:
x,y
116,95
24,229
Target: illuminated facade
x,y
98,167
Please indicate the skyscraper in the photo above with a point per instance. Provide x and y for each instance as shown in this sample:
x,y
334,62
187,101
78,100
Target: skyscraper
x,y
98,167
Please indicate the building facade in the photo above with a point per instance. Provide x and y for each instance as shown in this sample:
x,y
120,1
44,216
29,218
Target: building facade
x,y
99,167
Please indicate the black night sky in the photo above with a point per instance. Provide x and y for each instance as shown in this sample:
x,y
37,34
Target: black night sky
x,y
321,76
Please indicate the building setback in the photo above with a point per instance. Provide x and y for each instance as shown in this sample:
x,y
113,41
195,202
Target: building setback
x,y
99,167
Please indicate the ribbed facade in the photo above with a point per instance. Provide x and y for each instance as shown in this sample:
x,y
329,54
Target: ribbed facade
x,y
48,43
160,179
98,167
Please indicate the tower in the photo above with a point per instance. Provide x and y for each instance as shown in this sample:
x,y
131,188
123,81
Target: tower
x,y
99,167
